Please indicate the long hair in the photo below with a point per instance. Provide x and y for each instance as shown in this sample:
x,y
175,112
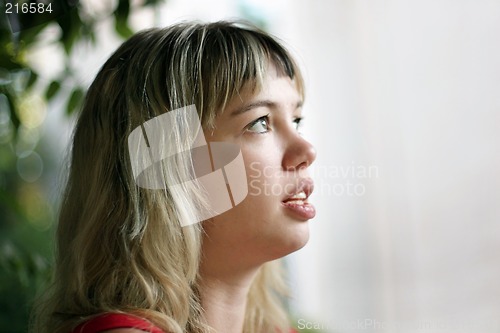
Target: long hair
x,y
120,247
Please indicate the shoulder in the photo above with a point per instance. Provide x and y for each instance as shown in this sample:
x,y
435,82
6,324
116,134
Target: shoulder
x,y
116,323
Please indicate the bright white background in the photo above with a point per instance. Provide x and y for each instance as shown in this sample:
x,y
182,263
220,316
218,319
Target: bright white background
x,y
411,91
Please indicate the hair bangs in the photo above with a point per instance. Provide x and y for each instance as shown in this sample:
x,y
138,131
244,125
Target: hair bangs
x,y
238,58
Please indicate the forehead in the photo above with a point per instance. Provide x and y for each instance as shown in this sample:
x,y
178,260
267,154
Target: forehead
x,y
280,91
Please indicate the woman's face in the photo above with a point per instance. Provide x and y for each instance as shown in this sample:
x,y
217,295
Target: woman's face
x,y
267,224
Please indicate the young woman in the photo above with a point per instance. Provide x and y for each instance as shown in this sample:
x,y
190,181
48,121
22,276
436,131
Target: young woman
x,y
132,259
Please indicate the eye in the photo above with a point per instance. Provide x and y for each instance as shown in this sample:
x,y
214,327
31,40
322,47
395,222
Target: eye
x,y
260,125
298,122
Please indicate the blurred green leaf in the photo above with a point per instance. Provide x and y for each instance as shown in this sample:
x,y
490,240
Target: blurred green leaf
x,y
71,27
32,79
12,99
75,100
122,28
52,90
121,13
122,10
152,2
68,34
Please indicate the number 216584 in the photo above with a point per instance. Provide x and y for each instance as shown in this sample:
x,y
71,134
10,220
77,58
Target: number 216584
x,y
26,8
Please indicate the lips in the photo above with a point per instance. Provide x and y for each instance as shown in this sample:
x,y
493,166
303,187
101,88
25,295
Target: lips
x,y
296,204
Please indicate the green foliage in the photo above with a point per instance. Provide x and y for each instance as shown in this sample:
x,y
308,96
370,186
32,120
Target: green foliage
x,y
75,99
26,213
121,16
52,89
75,26
21,274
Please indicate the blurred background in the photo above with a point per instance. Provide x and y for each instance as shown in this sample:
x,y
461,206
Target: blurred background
x,y
403,106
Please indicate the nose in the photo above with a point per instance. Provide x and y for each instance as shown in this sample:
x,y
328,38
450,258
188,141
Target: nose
x,y
299,153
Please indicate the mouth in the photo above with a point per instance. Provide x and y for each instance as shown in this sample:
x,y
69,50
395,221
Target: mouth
x,y
297,203
301,193
297,199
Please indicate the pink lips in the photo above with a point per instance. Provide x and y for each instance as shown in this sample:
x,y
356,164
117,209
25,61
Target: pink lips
x,y
297,204
305,210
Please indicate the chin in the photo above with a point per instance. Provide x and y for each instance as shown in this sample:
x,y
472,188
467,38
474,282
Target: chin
x,y
299,241
293,241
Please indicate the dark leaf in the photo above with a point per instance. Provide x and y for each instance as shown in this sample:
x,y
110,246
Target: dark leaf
x,y
121,14
32,79
122,29
70,24
11,99
153,2
122,10
52,89
74,100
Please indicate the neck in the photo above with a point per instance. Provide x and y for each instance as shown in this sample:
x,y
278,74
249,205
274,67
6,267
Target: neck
x,y
224,298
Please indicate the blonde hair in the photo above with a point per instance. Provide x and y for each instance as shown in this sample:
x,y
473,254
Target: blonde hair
x,y
121,248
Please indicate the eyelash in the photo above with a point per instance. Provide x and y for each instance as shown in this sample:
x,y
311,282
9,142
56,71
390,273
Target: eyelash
x,y
297,121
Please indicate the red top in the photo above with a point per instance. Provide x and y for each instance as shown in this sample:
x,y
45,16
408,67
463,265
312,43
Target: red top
x,y
109,321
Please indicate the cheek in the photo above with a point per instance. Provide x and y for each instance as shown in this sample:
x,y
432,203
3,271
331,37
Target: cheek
x,y
264,174
267,185
260,206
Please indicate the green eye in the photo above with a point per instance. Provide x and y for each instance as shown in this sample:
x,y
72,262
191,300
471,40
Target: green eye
x,y
260,125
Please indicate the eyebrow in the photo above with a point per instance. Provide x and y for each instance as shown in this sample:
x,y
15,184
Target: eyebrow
x,y
258,104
